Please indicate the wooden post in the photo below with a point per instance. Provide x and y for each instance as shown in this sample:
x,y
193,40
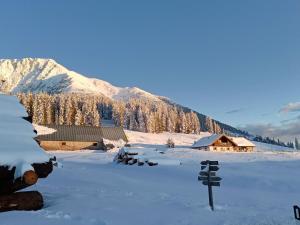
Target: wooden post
x,y
210,194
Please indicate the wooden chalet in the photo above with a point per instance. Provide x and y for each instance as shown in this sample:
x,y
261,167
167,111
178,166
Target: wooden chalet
x,y
221,142
80,137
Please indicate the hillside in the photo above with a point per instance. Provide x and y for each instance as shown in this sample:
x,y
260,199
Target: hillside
x,y
186,140
45,75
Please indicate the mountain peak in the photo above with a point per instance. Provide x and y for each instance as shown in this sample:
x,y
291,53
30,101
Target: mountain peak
x,y
29,60
46,75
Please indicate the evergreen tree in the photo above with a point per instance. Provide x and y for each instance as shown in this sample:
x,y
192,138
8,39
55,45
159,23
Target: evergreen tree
x,y
297,144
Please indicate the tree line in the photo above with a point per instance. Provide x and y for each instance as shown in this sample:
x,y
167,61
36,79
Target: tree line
x,y
136,114
272,141
89,110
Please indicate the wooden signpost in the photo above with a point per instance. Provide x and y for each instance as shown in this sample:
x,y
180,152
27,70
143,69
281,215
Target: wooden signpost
x,y
208,177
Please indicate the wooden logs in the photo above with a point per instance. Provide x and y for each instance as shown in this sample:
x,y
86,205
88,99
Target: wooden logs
x,y
10,184
30,177
128,156
43,169
31,200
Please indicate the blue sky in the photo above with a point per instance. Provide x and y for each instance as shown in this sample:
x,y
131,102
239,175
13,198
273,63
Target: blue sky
x,y
237,61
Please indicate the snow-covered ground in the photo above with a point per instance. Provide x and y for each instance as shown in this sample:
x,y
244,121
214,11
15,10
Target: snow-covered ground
x,y
180,140
257,188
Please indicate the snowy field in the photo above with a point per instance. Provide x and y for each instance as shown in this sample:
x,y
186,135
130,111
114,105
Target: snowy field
x,y
257,188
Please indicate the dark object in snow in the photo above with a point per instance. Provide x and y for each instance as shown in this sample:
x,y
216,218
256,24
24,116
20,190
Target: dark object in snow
x,y
152,163
170,143
10,184
209,178
140,163
132,161
30,200
109,146
296,212
129,157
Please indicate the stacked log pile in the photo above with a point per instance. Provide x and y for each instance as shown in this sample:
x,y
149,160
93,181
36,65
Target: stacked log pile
x,y
9,184
130,156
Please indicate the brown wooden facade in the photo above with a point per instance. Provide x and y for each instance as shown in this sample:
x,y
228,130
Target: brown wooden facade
x,y
71,145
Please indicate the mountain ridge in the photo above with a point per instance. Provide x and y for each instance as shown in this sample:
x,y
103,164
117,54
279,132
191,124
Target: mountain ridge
x,y
46,75
37,75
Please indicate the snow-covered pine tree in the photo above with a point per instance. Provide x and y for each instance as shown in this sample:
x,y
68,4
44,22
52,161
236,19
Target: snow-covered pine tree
x,y
182,122
195,123
297,146
95,113
209,124
79,120
70,111
50,113
141,120
62,108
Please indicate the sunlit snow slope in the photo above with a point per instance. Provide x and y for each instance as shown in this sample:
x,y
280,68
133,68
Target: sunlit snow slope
x,y
46,75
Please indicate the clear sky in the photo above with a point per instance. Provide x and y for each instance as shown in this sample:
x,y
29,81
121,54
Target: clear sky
x,y
237,61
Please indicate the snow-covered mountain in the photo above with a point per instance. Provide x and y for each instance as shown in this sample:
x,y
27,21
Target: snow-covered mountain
x,y
46,75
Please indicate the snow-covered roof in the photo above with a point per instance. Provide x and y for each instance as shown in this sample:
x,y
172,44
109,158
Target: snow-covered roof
x,y
206,141
17,146
242,142
82,133
42,130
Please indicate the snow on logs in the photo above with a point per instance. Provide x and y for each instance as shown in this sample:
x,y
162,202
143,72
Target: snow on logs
x,y
131,156
22,161
22,176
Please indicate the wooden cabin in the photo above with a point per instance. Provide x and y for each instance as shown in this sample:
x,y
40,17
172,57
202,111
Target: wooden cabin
x,y
217,142
80,137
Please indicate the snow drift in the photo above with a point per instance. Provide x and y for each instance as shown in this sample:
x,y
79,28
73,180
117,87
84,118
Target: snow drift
x,y
16,137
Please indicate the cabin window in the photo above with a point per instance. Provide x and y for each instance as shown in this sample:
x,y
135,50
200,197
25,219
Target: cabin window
x,y
94,144
63,143
215,148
